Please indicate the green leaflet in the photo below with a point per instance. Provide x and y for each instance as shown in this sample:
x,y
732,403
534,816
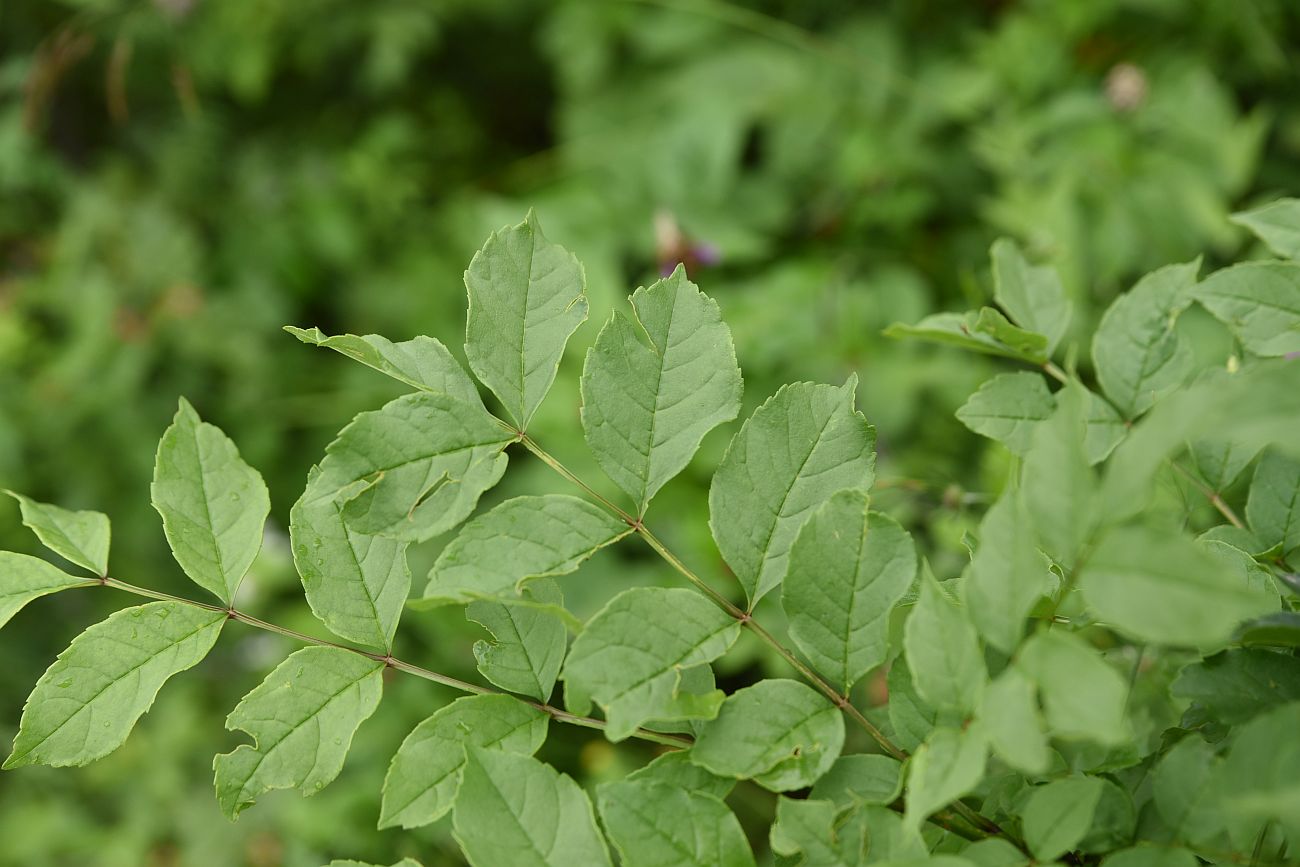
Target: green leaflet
x,y
1007,574
1260,778
910,717
528,644
526,297
213,505
1238,685
948,765
1058,487
1184,788
512,809
848,567
1105,428
634,672
405,862
1083,696
78,537
1259,302
653,824
1007,408
1220,461
87,702
1058,815
677,769
1031,294
1150,856
967,331
1279,629
994,852
821,833
780,733
425,773
356,584
1025,345
422,362
302,718
645,408
943,650
1277,224
1162,587
424,458
1008,712
1273,506
863,778
518,540
804,444
24,578
1137,354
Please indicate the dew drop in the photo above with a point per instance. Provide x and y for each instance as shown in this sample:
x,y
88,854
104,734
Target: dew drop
x,y
299,672
338,740
164,613
64,684
234,496
108,725
136,612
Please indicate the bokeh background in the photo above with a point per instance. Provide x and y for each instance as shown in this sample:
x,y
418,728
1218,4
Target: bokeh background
x,y
180,178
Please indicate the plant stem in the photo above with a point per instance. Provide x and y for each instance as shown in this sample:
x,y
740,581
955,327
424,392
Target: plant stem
x,y
747,620
461,685
1212,495
1056,373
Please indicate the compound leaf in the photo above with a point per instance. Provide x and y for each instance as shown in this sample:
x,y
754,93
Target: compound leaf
x,y
424,775
528,643
1007,575
943,651
1162,587
422,362
1031,294
78,537
948,765
512,809
302,718
1273,506
213,505
653,824
633,654
1007,408
1259,302
1277,224
87,702
653,387
526,297
848,568
1136,352
24,578
1083,696
518,540
797,449
780,733
1058,815
356,584
414,468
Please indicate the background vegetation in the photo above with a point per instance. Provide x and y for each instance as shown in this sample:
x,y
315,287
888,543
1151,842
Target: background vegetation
x,y
179,178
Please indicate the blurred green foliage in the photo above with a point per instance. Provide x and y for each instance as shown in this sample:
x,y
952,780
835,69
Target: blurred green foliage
x,y
179,178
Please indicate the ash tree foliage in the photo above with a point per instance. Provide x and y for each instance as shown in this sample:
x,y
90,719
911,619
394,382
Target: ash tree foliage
x,y
1113,679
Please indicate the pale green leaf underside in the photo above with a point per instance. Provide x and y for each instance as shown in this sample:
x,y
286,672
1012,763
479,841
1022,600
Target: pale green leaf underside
x,y
943,651
526,297
512,809
1083,697
1008,712
414,468
654,386
1259,302
1184,792
1136,352
1277,224
528,643
24,578
1031,294
79,537
213,505
1058,486
1025,345
677,769
1007,408
1007,574
1161,587
821,833
422,362
966,331
1059,814
779,733
302,718
87,702
947,766
424,775
518,540
653,824
804,444
862,778
356,584
631,657
848,568
1273,506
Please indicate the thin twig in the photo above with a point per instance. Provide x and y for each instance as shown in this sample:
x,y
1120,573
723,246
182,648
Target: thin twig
x,y
1210,494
